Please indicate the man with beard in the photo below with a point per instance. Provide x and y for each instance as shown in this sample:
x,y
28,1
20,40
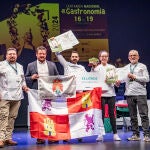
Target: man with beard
x,y
40,67
12,84
136,95
71,68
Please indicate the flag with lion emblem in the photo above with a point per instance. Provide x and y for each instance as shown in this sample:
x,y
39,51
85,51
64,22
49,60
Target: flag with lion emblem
x,y
66,118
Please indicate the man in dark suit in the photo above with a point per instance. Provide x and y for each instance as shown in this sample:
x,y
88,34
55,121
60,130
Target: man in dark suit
x,y
40,67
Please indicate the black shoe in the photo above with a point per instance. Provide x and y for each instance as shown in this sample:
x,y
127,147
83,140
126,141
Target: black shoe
x,y
52,142
80,140
40,141
65,140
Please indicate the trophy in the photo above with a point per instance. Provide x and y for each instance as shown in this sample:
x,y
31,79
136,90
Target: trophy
x,y
93,61
111,76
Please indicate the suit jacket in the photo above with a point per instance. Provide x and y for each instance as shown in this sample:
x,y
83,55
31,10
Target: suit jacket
x,y
32,69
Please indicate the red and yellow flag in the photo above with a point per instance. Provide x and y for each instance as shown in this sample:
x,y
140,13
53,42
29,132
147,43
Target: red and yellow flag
x,y
66,119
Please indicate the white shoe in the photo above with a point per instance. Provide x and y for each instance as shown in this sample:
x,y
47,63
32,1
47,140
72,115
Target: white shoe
x,y
116,137
134,137
99,138
146,139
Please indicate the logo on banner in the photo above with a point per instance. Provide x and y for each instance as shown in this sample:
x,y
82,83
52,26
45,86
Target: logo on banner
x,y
57,87
46,104
86,101
49,128
89,121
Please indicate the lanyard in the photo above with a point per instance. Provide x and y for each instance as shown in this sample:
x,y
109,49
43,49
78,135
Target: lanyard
x,y
132,69
14,68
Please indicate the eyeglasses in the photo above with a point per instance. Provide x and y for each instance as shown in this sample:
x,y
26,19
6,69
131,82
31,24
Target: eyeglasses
x,y
104,56
133,55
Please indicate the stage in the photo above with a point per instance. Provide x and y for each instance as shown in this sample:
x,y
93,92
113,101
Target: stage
x,y
25,142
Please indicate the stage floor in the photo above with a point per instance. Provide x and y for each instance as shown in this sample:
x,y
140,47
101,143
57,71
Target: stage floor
x,y
25,142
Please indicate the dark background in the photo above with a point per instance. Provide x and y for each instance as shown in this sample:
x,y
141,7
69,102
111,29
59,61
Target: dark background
x,y
128,27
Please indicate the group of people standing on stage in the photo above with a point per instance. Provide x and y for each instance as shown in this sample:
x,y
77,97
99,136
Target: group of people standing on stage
x,y
135,92
13,83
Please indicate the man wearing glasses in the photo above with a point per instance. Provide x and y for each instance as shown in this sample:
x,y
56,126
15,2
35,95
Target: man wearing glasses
x,y
136,95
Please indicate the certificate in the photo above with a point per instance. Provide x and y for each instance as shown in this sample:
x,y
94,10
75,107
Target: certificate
x,y
90,80
122,74
63,42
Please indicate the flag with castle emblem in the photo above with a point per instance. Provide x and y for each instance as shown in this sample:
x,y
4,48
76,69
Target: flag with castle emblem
x,y
66,118
52,87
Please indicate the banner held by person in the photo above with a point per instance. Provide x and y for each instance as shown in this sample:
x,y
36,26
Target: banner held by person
x,y
51,87
90,80
60,120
